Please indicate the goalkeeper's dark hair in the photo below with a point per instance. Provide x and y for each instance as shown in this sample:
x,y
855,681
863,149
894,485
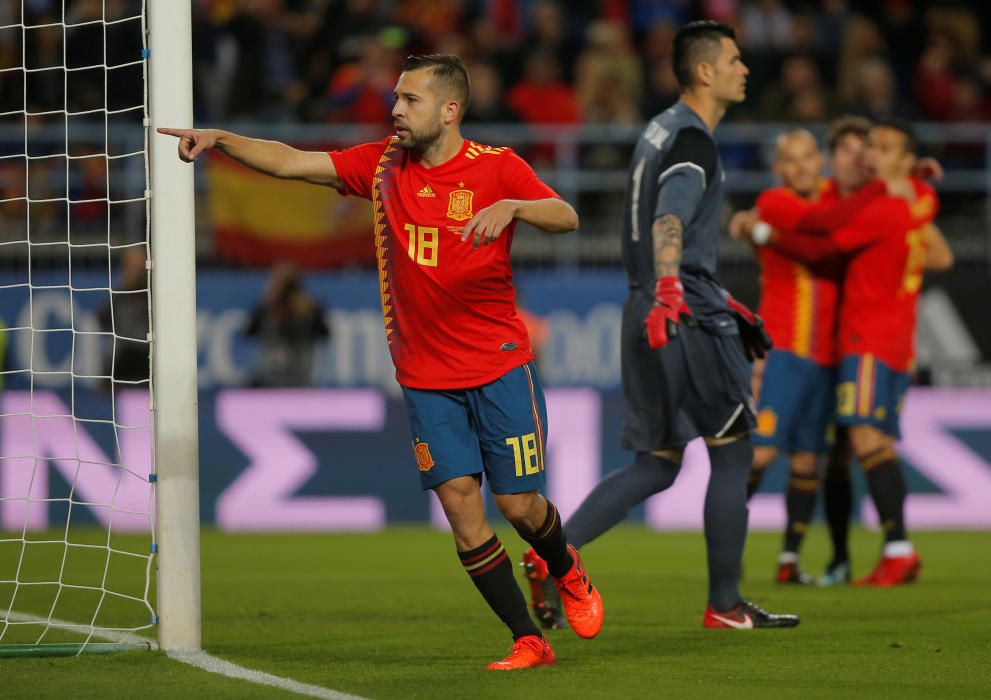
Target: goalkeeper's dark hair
x,y
697,42
449,71
907,130
847,124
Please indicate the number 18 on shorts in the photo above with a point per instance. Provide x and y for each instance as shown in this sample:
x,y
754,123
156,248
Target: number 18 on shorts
x,y
498,429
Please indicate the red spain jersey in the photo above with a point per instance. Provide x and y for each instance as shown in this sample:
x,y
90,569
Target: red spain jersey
x,y
887,241
449,309
798,302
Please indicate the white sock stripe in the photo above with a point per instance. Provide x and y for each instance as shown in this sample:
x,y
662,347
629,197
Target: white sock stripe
x,y
899,548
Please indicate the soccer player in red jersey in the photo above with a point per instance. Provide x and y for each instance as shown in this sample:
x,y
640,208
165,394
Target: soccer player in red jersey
x,y
794,387
886,244
839,198
445,209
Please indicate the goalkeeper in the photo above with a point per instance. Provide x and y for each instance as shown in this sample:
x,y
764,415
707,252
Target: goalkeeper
x,y
685,341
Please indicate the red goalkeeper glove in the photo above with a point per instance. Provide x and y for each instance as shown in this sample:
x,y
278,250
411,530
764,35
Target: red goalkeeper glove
x,y
753,335
669,305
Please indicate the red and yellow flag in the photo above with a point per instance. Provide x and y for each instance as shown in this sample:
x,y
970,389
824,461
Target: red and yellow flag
x,y
258,220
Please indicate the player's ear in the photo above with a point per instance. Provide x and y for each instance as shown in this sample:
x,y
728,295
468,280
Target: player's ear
x,y
704,72
452,112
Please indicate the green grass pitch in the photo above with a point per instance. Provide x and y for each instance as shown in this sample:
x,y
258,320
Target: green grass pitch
x,y
391,615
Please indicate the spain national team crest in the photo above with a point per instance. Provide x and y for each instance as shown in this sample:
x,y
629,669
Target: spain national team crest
x,y
424,461
459,205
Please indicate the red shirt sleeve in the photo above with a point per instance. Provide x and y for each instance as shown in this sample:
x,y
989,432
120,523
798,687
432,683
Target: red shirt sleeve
x,y
518,181
356,167
881,218
781,208
824,217
806,247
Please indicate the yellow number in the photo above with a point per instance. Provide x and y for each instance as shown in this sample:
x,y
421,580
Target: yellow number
x,y
422,244
411,230
531,459
427,244
526,453
912,277
846,398
514,442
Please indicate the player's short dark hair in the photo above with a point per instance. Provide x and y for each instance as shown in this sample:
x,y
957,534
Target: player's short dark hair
x,y
697,42
449,71
844,125
906,129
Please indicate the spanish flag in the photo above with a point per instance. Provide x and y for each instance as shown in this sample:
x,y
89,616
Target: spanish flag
x,y
258,219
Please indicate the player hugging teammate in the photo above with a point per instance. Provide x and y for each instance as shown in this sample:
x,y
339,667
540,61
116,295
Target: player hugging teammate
x,y
841,267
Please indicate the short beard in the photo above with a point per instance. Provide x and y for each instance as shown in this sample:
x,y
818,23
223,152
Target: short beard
x,y
423,143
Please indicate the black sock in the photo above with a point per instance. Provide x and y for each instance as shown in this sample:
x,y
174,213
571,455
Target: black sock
x,y
887,487
492,573
837,493
800,502
549,542
753,480
725,517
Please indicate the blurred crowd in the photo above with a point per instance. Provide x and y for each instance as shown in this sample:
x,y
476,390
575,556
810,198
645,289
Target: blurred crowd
x,y
531,61
605,61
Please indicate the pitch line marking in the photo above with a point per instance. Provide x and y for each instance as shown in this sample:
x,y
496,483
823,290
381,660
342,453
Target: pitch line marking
x,y
199,659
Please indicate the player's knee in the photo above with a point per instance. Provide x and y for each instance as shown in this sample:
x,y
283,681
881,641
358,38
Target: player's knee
x,y
658,457
865,439
763,457
460,497
658,469
803,464
519,509
726,440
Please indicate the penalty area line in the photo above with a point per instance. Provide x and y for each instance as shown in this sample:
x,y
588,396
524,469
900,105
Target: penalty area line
x,y
198,659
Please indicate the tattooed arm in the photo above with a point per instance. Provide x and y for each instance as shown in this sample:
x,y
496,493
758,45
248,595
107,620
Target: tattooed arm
x,y
669,296
668,234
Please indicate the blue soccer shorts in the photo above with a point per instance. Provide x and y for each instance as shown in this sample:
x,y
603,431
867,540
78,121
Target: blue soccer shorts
x,y
499,429
796,404
870,393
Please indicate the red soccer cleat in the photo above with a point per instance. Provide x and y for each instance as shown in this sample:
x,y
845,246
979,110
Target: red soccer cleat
x,y
790,573
544,599
527,652
893,571
580,599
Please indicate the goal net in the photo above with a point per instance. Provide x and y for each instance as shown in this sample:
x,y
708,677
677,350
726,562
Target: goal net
x,y
78,474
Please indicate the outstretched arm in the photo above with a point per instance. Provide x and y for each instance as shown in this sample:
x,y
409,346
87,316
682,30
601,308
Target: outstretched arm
x,y
806,247
939,255
269,157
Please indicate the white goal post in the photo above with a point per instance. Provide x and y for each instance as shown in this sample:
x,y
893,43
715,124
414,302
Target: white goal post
x,y
173,293
99,464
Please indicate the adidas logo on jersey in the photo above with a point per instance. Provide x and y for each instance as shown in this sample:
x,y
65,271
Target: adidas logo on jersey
x,y
426,192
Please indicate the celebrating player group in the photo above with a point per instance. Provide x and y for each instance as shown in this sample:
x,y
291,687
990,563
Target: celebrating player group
x,y
842,265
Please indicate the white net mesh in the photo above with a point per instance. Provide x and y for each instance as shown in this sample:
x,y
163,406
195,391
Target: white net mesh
x,y
76,460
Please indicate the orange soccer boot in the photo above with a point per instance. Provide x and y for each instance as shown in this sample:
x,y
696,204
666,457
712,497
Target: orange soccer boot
x,y
527,652
580,599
